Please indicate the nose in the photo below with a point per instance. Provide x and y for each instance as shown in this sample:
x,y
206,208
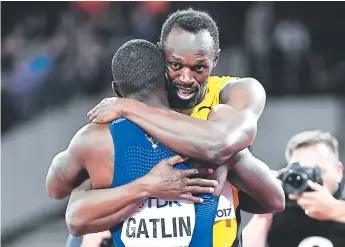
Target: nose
x,y
186,76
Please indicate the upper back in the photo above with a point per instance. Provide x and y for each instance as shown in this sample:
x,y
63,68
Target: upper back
x,y
136,153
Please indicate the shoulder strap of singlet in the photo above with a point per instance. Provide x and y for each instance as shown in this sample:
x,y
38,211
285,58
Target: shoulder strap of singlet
x,y
124,134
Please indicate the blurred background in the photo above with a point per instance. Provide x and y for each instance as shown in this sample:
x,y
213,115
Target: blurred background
x,y
55,66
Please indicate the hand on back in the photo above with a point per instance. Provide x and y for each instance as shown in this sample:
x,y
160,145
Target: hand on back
x,y
107,110
169,183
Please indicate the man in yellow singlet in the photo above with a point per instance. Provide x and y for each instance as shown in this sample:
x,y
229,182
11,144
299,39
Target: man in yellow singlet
x,y
231,106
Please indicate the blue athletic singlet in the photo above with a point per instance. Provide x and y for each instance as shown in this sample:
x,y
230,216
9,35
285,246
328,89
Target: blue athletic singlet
x,y
156,223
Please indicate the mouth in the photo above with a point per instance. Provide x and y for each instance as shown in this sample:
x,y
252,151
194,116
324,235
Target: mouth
x,y
185,93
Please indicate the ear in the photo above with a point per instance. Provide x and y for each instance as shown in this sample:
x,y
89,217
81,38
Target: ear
x,y
216,58
340,169
116,90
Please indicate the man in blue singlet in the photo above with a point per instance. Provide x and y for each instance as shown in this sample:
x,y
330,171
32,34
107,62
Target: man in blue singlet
x,y
153,200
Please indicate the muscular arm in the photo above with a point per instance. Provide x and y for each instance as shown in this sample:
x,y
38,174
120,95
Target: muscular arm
x,y
250,205
66,171
90,211
260,192
231,126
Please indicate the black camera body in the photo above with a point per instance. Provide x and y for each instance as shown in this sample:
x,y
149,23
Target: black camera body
x,y
107,243
294,179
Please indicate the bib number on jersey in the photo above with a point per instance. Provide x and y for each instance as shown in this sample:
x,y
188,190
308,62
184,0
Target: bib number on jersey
x,y
225,210
159,223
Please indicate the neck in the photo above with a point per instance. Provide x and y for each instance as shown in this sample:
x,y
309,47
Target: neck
x,y
158,100
336,188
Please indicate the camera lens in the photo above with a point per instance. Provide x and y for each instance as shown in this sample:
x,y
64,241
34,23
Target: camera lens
x,y
295,180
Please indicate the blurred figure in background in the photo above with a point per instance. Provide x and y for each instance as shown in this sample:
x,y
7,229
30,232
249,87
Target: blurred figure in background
x,y
318,218
258,26
292,39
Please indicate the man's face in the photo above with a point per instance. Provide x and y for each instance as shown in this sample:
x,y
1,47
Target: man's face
x,y
190,60
320,154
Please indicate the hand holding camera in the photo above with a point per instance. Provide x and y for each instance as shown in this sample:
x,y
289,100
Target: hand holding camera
x,y
303,187
295,178
318,203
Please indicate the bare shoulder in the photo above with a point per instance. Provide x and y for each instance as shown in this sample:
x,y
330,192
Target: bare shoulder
x,y
244,94
91,137
97,153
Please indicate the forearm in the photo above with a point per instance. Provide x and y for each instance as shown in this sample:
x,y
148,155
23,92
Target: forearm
x,y
250,205
99,210
255,232
338,212
214,140
254,177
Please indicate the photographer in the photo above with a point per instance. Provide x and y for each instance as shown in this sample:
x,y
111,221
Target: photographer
x,y
314,214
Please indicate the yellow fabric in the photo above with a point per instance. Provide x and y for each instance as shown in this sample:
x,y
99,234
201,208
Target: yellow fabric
x,y
215,85
224,231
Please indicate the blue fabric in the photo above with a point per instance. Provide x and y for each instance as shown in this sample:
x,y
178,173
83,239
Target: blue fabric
x,y
135,157
74,241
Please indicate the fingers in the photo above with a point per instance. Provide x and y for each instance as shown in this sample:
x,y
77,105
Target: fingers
x,y
304,203
175,160
92,117
315,186
95,114
198,190
92,111
196,171
191,198
294,197
200,182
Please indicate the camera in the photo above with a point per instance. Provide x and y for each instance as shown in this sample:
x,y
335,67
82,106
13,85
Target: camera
x,y
294,179
107,243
